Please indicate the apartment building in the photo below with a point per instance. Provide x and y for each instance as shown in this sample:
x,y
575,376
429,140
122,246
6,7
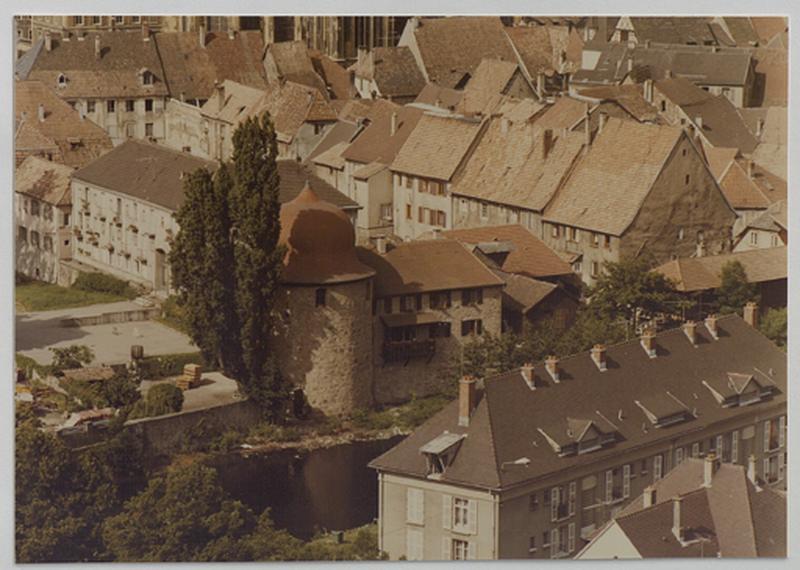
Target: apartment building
x,y
529,463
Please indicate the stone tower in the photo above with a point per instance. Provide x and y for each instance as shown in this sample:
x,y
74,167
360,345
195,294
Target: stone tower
x,y
324,337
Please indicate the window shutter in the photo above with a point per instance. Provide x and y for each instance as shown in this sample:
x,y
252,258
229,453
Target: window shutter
x,y
735,447
413,544
471,550
626,481
447,512
410,505
554,541
782,431
572,487
781,466
445,548
658,466
609,486
472,516
571,537
766,435
554,503
765,474
720,447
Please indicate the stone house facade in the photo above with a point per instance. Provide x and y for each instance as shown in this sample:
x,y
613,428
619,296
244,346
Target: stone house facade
x,y
464,488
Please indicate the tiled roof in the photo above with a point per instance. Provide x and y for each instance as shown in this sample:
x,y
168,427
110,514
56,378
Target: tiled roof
x,y
293,62
719,159
293,178
336,78
237,101
44,180
437,146
192,69
452,46
428,265
394,70
332,156
608,186
352,109
774,218
290,105
439,96
722,124
629,97
534,46
672,30
565,113
79,140
773,66
702,273
508,166
144,171
741,30
681,91
116,73
523,293
375,142
771,152
485,88
530,255
767,27
504,425
341,132
745,192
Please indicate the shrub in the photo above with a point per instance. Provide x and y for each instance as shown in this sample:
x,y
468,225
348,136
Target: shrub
x,y
173,314
103,283
773,325
70,357
161,399
157,367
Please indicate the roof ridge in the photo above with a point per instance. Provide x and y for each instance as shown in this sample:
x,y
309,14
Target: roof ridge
x,y
497,471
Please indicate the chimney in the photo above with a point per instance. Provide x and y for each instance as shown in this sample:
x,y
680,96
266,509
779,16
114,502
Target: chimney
x,y
649,496
145,32
751,468
603,119
710,466
551,365
698,121
649,342
751,314
380,244
547,142
528,375
231,34
41,112
201,35
394,124
647,43
97,46
668,73
677,528
183,96
630,64
437,233
711,325
749,169
219,93
504,124
690,329
587,128
540,84
598,353
48,41
466,399
648,90
759,128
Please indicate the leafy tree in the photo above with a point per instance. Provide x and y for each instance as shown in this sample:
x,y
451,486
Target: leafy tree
x,y
773,325
629,290
161,399
258,257
73,356
181,517
734,291
121,390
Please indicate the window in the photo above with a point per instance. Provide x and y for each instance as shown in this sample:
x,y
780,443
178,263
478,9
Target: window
x,y
118,19
48,243
696,450
574,234
35,239
571,537
686,179
484,210
387,305
532,544
441,219
408,182
148,129
421,215
95,20
658,467
663,105
439,330
643,466
129,105
626,481
554,231
78,20
408,211
571,500
320,297
546,538
735,447
460,550
22,234
555,503
678,456
440,300
148,103
407,303
472,296
136,19
386,212
595,269
753,238
66,219
90,107
35,208
472,327
533,502
719,447
774,240
774,433
415,506
609,486
414,541
110,105
595,239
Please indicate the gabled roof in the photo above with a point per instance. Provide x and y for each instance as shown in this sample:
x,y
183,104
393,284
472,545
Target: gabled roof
x,y
530,256
44,180
332,157
701,273
629,97
438,96
437,146
722,124
508,165
453,46
79,140
293,179
487,86
192,69
565,113
341,132
767,27
523,293
375,142
751,191
608,186
535,48
672,30
424,266
144,171
504,425
337,78
293,62
773,219
773,66
116,73
394,70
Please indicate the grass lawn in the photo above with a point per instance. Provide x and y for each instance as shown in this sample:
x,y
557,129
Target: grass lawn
x,y
36,296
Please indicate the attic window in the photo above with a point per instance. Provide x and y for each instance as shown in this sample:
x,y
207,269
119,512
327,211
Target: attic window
x,y
663,410
61,80
440,452
74,142
576,437
738,390
147,77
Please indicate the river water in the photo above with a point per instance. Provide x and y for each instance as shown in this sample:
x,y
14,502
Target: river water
x,y
324,489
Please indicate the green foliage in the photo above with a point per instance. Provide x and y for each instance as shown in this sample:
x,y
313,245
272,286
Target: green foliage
x,y
25,414
164,398
268,431
174,314
39,296
165,365
103,283
734,291
774,325
406,417
71,357
30,367
121,390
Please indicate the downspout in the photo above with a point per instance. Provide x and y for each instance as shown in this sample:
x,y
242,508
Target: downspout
x,y
496,530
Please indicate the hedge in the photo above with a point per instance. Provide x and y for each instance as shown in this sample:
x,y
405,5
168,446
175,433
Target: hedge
x,y
157,367
103,283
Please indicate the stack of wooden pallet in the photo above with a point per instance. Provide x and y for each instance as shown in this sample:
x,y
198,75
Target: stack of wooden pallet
x,y
190,377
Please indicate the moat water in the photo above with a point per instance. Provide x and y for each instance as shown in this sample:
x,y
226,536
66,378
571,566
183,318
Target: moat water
x,y
320,490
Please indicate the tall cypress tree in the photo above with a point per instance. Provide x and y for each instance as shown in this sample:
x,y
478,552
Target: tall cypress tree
x,y
258,257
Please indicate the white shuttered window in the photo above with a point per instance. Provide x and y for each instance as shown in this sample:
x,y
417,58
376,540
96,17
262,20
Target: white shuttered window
x,y
415,506
414,544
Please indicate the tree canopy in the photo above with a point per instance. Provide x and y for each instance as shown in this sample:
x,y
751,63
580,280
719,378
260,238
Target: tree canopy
x,y
734,291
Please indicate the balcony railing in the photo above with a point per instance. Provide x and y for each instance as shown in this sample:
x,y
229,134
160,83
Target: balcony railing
x,y
405,350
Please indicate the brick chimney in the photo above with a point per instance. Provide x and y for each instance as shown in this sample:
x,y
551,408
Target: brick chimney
x,y
649,342
97,46
698,120
751,314
393,128
648,90
677,527
649,496
466,399
547,142
145,31
751,468
41,112
551,365
528,374
711,325
690,329
598,353
759,128
201,35
710,467
48,41
587,128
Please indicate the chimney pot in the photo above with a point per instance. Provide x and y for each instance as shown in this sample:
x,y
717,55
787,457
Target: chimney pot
x,y
649,496
711,325
598,353
690,329
466,399
648,342
710,466
751,314
551,365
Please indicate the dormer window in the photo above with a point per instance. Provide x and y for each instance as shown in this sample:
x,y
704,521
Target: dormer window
x,y
663,409
61,80
738,390
440,452
146,76
576,437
